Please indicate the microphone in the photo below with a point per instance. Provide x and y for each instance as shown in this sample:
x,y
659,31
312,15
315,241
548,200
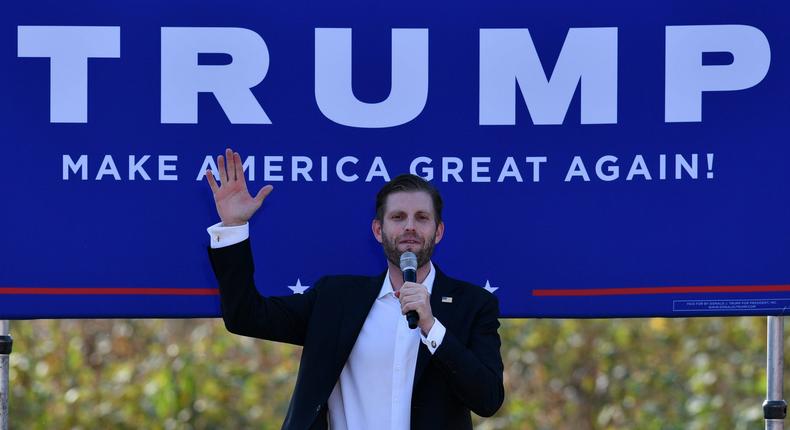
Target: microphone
x,y
408,265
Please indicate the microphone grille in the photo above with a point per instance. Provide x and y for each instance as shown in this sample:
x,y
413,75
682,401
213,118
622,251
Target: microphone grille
x,y
408,261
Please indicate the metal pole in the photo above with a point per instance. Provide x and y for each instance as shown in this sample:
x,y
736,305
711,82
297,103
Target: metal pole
x,y
5,350
774,406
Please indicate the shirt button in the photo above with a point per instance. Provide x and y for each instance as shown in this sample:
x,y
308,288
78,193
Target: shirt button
x,y
433,344
318,408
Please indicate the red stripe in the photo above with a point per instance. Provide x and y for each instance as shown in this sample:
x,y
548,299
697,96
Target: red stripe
x,y
661,290
110,291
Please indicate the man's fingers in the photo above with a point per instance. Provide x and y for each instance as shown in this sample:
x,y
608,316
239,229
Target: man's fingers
x,y
211,181
238,168
412,306
265,191
411,288
230,159
406,299
411,298
223,174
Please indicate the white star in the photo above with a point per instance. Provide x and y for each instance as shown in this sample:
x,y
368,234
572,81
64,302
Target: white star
x,y
298,288
489,288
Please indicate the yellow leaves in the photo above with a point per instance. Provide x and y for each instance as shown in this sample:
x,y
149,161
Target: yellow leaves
x,y
658,324
646,374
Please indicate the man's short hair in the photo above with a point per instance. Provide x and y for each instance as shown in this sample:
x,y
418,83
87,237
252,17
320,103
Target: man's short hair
x,y
408,183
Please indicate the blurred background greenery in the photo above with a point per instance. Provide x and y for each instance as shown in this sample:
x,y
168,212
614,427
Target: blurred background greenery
x,y
705,373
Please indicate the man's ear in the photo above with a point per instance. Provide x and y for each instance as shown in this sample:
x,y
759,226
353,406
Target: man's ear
x,y
376,227
439,232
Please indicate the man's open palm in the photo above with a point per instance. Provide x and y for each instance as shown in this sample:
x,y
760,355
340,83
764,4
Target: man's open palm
x,y
235,205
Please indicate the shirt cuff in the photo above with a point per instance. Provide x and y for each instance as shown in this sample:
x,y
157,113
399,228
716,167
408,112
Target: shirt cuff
x,y
222,236
435,336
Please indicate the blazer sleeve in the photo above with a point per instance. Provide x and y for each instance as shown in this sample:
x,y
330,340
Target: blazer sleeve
x,y
245,311
474,370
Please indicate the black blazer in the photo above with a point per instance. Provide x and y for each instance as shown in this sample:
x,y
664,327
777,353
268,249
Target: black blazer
x,y
465,372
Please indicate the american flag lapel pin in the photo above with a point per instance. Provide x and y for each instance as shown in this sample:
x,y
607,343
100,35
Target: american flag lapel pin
x,y
447,299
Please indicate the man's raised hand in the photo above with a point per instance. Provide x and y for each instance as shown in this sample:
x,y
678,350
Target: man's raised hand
x,y
235,205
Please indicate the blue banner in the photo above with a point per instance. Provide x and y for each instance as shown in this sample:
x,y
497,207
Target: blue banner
x,y
596,160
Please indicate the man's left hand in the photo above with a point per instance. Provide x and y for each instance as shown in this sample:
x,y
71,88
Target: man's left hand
x,y
415,297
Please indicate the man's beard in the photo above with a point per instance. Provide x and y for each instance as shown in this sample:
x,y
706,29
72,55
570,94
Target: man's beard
x,y
393,254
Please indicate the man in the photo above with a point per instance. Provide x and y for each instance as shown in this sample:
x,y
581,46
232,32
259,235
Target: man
x,y
362,367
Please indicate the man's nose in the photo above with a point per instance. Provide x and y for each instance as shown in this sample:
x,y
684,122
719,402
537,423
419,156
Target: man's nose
x,y
409,224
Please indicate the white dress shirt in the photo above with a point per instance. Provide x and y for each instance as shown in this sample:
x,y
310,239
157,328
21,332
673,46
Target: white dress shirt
x,y
375,387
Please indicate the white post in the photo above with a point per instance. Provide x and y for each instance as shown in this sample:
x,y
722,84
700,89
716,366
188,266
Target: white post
x,y
5,350
774,406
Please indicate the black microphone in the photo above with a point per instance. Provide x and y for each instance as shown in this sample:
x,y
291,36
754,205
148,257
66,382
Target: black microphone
x,y
408,265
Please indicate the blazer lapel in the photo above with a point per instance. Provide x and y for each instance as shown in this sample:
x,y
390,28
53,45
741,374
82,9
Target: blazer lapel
x,y
355,307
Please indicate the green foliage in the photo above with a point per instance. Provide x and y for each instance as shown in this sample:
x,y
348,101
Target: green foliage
x,y
706,373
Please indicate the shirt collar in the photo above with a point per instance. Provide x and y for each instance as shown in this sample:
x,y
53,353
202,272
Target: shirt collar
x,y
386,287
